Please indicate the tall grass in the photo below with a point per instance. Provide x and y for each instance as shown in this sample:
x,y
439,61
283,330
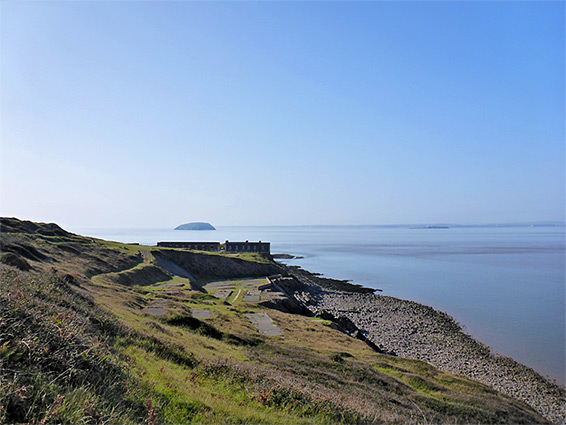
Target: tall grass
x,y
56,361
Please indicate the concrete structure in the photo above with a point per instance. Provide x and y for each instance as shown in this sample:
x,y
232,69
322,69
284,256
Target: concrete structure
x,y
201,246
260,247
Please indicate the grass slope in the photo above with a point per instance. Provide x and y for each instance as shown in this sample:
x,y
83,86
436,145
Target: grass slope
x,y
86,336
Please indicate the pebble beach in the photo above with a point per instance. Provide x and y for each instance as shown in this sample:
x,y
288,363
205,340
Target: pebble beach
x,y
412,330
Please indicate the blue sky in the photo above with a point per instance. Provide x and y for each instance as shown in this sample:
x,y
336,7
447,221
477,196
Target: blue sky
x,y
258,113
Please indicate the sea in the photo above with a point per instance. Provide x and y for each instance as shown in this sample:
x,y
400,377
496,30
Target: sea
x,y
505,285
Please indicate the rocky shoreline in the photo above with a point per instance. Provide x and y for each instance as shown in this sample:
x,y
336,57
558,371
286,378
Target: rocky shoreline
x,y
412,330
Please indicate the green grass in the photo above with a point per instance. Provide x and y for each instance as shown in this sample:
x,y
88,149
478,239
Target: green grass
x,y
56,363
86,351
180,369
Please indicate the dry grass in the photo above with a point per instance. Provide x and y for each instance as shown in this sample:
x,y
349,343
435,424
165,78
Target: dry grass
x,y
56,360
75,348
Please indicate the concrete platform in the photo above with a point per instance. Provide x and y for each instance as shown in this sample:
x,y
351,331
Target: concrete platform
x,y
223,294
201,314
251,298
157,311
263,323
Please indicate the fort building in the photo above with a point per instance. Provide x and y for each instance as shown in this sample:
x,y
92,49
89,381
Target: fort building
x,y
247,246
200,246
260,247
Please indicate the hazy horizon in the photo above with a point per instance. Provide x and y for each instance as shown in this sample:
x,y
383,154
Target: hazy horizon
x,y
146,114
171,226
392,225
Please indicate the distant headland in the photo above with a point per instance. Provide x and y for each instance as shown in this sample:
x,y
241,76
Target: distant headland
x,y
197,225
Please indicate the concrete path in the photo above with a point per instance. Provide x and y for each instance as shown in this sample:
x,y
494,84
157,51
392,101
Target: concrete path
x,y
157,308
264,324
173,268
236,297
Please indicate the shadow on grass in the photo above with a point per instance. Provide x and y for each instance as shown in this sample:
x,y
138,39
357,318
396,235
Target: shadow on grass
x,y
202,328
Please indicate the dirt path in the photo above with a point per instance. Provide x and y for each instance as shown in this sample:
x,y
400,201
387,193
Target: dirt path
x,y
236,297
145,256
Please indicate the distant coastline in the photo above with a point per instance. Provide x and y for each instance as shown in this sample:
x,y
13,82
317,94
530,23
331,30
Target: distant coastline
x,y
431,227
424,225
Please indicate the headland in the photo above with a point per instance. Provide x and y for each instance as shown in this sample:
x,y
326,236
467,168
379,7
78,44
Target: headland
x,y
132,333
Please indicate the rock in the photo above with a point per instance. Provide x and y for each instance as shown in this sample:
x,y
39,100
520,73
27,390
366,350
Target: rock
x,y
197,225
283,256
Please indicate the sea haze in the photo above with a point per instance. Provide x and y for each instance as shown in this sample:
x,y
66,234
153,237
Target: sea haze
x,y
505,285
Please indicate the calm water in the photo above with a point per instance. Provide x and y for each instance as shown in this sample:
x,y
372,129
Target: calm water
x,y
506,286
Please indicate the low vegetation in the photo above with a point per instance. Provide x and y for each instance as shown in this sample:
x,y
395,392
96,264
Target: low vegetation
x,y
56,356
85,339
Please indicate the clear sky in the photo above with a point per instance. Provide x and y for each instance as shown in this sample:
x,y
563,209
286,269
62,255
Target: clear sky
x,y
154,114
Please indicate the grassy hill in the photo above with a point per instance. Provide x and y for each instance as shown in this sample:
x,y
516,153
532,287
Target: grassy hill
x,y
93,331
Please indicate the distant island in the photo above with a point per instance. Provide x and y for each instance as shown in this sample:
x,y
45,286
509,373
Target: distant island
x,y
195,226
